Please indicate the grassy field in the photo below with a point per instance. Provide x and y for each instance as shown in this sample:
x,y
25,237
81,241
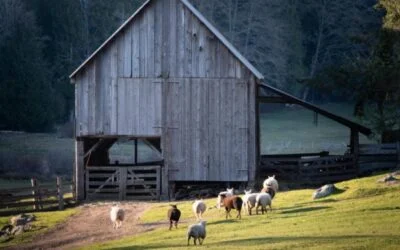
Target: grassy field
x,y
44,221
364,216
292,130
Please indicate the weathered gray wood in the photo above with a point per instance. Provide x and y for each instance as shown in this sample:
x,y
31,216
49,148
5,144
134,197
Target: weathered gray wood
x,y
127,55
167,74
79,170
172,39
158,39
251,118
150,40
122,183
60,194
35,194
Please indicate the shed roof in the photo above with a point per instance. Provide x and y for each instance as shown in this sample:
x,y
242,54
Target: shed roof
x,y
201,18
339,119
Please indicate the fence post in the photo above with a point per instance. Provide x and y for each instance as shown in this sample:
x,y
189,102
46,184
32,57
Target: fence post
x,y
60,195
122,183
34,193
73,188
398,154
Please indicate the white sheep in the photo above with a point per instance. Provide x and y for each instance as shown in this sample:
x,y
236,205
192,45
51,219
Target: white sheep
x,y
222,195
271,182
198,232
263,200
249,200
117,215
199,207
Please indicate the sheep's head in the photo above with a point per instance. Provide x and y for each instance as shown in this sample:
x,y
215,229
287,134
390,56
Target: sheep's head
x,y
229,190
247,191
203,223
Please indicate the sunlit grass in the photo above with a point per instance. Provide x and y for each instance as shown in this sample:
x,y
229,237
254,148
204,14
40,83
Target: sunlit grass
x,y
364,216
44,221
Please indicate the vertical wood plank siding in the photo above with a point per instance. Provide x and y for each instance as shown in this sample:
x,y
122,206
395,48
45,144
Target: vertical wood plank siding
x,y
166,56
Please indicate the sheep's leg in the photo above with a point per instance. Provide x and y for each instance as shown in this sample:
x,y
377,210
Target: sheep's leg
x,y
170,224
176,224
188,239
194,240
270,208
201,241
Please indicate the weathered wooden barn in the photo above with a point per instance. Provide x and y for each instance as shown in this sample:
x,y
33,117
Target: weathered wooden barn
x,y
169,78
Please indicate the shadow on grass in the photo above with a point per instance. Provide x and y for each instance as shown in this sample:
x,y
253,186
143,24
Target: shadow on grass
x,y
383,209
229,221
306,209
249,242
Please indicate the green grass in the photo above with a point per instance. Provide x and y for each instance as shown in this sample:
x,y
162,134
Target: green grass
x,y
365,215
292,130
44,221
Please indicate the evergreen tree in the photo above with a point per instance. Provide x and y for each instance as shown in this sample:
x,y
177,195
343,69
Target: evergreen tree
x,y
26,96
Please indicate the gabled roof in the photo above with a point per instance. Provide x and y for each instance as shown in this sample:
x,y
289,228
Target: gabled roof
x,y
339,119
202,19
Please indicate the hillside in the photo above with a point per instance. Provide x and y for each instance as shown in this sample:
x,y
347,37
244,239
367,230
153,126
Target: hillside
x,y
364,215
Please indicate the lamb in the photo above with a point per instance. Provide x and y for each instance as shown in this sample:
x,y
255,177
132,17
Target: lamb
x,y
271,182
263,200
249,201
222,195
199,207
173,215
117,215
198,232
269,190
233,202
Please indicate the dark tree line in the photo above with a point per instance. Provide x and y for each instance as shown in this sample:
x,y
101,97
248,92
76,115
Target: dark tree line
x,y
319,50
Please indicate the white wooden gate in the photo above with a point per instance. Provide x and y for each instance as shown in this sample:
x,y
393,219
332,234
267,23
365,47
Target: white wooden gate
x,y
123,182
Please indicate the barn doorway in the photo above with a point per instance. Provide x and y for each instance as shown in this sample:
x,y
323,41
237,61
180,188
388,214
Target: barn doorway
x,y
122,168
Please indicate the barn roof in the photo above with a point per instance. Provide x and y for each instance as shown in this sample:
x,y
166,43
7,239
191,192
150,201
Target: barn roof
x,y
196,13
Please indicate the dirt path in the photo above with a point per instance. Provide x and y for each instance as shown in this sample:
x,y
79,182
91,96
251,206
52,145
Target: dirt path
x,y
92,225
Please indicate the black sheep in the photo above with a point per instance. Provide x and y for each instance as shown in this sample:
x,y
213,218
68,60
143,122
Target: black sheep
x,y
173,215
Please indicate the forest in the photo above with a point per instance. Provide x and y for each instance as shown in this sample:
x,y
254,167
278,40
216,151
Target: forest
x,y
318,50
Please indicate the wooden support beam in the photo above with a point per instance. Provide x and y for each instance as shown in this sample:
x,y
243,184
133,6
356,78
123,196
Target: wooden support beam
x,y
154,148
93,148
79,171
273,99
355,146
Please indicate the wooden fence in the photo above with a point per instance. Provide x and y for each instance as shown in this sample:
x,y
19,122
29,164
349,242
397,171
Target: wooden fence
x,y
309,169
379,157
36,197
123,182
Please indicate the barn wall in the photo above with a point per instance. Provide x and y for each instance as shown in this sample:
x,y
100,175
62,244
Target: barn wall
x,y
164,41
165,74
208,129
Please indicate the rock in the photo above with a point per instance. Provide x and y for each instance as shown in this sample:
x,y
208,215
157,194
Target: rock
x,y
18,230
388,179
324,191
22,219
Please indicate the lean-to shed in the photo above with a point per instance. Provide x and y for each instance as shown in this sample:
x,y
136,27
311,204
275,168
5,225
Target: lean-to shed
x,y
169,77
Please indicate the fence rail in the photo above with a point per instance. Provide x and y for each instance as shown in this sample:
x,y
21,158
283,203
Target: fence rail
x,y
310,169
36,197
379,157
